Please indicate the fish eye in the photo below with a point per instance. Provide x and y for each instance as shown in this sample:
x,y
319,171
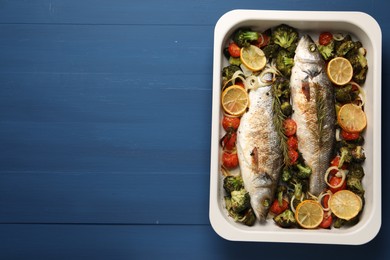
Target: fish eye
x,y
312,47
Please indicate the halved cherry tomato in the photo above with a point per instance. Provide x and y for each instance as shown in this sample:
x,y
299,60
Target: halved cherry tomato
x,y
334,181
230,160
325,201
234,50
327,221
276,208
230,123
289,126
349,136
240,83
335,162
293,156
325,38
228,141
292,142
263,40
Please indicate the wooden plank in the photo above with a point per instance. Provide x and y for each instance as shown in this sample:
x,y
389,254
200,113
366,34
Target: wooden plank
x,y
149,12
105,197
134,50
157,242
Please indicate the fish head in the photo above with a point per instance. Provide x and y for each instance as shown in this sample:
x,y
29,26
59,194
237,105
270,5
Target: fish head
x,y
261,200
307,51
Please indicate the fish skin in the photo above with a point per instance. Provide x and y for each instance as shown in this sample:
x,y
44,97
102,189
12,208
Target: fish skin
x,y
259,153
309,84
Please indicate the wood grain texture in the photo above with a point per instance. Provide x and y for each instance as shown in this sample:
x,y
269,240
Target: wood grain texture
x,y
156,242
105,120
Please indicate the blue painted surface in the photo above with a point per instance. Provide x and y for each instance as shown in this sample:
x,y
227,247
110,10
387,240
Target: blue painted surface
x,y
105,115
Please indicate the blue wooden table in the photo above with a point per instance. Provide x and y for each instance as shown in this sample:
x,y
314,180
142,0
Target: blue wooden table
x,y
105,118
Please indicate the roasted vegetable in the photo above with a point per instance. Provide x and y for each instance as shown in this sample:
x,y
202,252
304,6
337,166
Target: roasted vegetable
x,y
358,154
244,36
235,61
346,94
345,156
240,200
304,172
286,108
358,60
285,36
285,62
271,50
232,183
355,185
355,171
281,89
246,217
327,51
285,219
228,72
286,174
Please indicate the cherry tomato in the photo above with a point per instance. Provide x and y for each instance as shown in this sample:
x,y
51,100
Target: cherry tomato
x,y
276,208
290,127
327,221
230,160
325,38
293,156
292,143
325,201
234,50
229,140
334,181
263,40
240,83
335,162
349,136
230,123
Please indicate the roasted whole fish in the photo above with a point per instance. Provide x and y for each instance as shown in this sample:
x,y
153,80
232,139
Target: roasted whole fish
x,y
259,152
314,111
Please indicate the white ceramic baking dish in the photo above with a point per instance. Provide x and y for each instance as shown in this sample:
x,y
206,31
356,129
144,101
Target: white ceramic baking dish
x,y
366,29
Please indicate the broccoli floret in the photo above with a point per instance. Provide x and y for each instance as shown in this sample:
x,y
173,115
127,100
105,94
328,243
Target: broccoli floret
x,y
228,72
338,223
346,94
280,193
344,48
358,154
286,108
327,51
360,77
233,183
281,88
244,36
285,36
271,50
285,219
358,61
240,200
298,189
356,171
285,62
235,61
246,217
286,174
304,171
355,185
345,156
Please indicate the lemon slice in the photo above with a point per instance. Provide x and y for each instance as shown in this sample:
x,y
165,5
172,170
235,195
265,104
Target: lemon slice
x,y
339,71
352,118
235,100
253,58
345,204
309,214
